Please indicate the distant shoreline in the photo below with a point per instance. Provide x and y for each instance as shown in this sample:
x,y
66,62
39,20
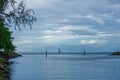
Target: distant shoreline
x,y
41,53
116,53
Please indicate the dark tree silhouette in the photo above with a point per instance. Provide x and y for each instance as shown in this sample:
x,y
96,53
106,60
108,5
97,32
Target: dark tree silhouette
x,y
15,15
6,39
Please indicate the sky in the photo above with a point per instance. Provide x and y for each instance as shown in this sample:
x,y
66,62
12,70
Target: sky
x,y
72,25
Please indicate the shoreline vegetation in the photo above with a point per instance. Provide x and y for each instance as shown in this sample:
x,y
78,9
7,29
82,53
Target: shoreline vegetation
x,y
13,13
116,53
4,64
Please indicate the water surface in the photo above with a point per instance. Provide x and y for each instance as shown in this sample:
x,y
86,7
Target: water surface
x,y
66,67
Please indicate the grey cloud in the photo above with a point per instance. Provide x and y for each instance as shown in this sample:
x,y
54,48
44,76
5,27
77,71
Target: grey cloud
x,y
100,19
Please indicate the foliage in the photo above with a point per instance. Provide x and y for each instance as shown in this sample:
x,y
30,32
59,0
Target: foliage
x,y
15,15
1,78
2,60
6,39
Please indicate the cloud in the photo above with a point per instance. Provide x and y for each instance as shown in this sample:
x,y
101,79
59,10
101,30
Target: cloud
x,y
44,4
59,34
70,33
97,19
91,42
71,22
50,38
67,35
23,42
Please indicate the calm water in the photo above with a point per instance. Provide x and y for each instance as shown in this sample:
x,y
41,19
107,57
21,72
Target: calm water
x,y
66,67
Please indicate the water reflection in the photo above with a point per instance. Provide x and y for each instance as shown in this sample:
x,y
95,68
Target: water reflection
x,y
66,67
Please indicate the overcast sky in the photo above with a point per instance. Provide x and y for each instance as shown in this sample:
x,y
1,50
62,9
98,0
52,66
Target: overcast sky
x,y
72,25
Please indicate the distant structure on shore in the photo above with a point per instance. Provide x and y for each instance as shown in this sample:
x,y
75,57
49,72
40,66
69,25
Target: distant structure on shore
x,y
59,50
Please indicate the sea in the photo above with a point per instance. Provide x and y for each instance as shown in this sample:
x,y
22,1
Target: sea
x,y
66,66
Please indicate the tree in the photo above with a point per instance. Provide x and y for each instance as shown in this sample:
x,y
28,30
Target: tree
x,y
11,15
16,16
6,39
